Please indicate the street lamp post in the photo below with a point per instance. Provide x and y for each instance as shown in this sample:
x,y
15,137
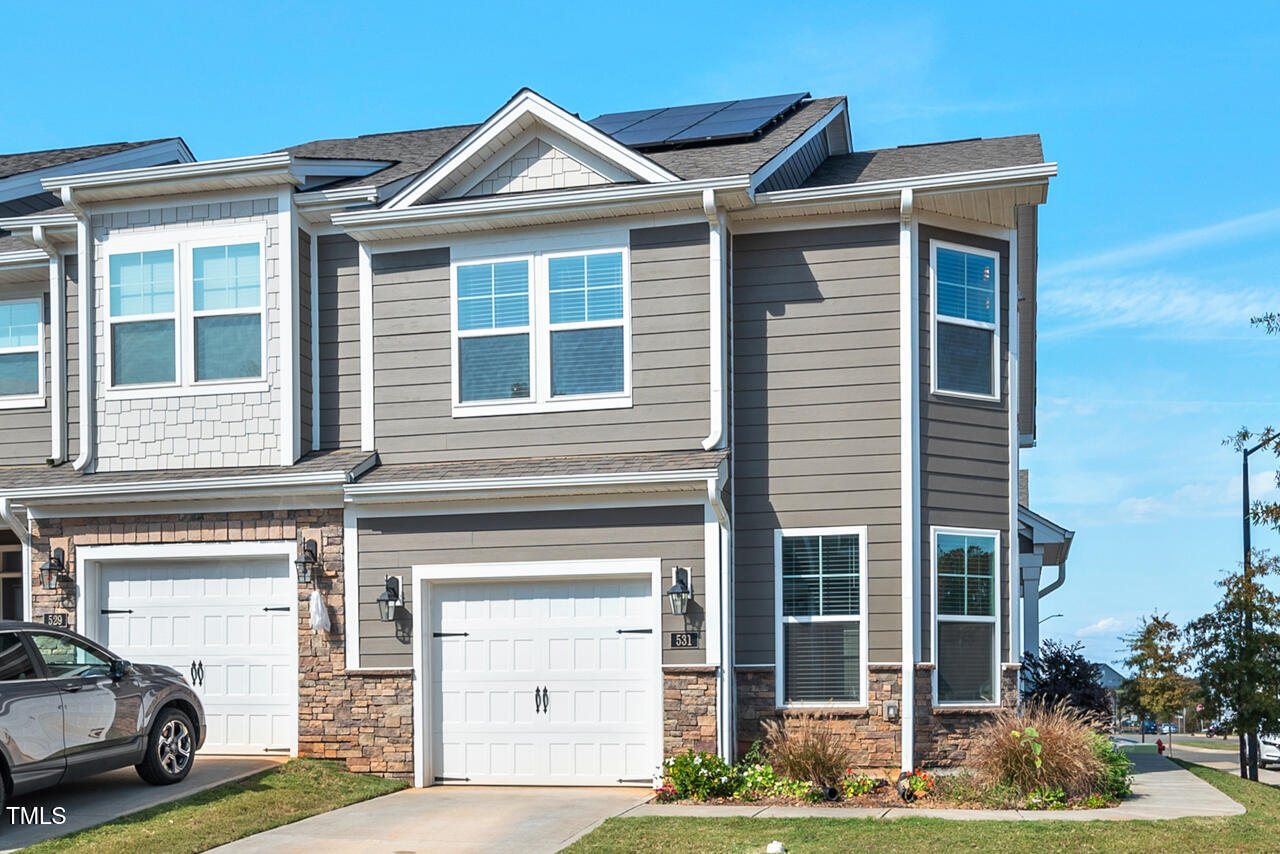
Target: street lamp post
x,y
1249,754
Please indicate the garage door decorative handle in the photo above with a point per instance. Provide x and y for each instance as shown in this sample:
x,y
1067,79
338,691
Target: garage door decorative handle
x,y
116,611
197,673
537,701
546,701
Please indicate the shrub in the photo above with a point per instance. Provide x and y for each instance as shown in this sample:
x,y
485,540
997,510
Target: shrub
x,y
758,780
699,776
1061,672
1114,780
1061,753
806,748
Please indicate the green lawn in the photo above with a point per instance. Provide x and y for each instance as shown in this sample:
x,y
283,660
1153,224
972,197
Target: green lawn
x,y
286,793
1257,830
1232,744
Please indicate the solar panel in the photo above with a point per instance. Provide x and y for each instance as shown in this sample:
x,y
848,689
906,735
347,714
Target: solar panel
x,y
696,122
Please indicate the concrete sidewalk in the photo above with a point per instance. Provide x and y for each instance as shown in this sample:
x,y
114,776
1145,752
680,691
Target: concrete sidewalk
x,y
1161,790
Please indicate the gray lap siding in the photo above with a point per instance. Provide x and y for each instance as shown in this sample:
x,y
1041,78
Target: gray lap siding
x,y
339,332
816,411
392,546
413,420
25,436
964,446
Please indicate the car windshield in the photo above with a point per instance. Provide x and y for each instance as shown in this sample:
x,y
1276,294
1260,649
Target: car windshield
x,y
65,657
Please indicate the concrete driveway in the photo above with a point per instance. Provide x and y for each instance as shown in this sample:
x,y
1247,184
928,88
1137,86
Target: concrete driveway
x,y
457,819
108,796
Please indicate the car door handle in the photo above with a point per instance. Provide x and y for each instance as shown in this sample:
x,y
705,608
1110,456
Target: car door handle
x,y
72,687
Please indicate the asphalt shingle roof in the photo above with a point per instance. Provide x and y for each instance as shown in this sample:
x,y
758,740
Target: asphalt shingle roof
x,y
29,161
938,158
412,151
543,466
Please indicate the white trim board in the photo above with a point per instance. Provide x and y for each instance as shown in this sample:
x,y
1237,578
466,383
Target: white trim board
x,y
424,574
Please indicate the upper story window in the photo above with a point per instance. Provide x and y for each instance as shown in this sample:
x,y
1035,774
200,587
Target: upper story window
x,y
541,332
185,315
966,607
966,332
820,599
21,351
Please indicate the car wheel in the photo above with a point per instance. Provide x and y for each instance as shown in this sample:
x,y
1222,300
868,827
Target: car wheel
x,y
170,749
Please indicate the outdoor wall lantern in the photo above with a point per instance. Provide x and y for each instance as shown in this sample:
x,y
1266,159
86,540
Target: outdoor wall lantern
x,y
390,599
52,569
681,590
308,564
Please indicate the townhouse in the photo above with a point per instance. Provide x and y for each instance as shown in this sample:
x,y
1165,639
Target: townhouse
x,y
535,450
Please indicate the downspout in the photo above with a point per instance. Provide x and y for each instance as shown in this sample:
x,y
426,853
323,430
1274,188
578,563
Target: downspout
x,y
725,723
84,270
1057,582
719,316
7,514
909,390
58,351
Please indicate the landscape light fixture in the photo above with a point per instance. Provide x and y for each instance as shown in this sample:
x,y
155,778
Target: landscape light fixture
x,y
389,600
307,564
52,569
681,590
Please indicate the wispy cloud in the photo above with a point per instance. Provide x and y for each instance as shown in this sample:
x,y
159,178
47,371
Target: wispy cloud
x,y
1107,625
1240,228
1213,498
1186,304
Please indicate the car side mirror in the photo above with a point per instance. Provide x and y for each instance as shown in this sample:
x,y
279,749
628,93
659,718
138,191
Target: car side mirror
x,y
119,667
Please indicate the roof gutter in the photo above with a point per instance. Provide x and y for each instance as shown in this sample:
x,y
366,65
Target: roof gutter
x,y
158,489
1009,176
264,163
57,328
404,490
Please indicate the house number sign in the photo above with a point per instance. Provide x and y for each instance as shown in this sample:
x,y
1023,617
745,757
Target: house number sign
x,y
684,640
59,620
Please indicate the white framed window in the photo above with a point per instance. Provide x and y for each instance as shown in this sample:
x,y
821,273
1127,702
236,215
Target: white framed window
x,y
186,312
21,352
820,608
965,295
541,332
966,617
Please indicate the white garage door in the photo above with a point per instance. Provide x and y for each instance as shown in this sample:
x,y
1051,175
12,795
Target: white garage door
x,y
546,682
229,626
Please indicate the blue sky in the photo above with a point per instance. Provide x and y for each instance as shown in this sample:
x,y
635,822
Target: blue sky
x,y
1158,242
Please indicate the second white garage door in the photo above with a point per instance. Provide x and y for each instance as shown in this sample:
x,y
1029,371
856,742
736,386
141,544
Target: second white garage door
x,y
544,682
229,626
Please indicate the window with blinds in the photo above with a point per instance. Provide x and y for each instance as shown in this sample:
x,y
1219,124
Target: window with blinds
x,y
493,331
20,343
966,301
822,611
966,575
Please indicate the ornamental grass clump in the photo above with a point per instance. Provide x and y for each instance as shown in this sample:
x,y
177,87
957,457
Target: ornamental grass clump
x,y
806,748
1049,747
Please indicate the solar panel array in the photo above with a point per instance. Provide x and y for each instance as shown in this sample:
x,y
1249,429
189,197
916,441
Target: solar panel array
x,y
696,123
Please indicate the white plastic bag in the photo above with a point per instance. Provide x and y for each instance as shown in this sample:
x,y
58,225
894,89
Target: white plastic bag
x,y
319,613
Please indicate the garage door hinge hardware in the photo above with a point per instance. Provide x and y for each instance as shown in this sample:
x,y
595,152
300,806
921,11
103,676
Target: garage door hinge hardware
x,y
277,608
116,611
635,631
453,779
451,634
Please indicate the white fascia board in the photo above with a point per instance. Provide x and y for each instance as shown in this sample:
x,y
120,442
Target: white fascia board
x,y
47,221
425,488
519,203
158,489
766,171
339,167
1010,176
341,195
279,164
24,258
528,102
29,183
1043,530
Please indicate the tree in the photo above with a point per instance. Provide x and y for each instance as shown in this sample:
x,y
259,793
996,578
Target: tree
x,y
1061,672
1155,658
1237,649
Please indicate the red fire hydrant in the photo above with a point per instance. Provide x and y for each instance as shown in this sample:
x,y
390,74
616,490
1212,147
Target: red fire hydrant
x,y
1160,746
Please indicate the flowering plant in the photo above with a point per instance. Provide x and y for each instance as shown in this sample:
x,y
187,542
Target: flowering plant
x,y
699,776
918,783
856,785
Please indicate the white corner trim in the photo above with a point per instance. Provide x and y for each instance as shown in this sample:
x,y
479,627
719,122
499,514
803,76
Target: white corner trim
x,y
775,163
366,349
529,103
717,273
1015,609
351,585
287,299
315,341
909,460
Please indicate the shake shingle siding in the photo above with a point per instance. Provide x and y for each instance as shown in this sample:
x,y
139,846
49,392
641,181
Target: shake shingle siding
x,y
413,421
816,413
392,546
339,295
964,445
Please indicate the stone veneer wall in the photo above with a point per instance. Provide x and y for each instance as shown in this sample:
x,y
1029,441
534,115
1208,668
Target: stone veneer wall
x,y
872,740
943,735
364,718
688,709
188,428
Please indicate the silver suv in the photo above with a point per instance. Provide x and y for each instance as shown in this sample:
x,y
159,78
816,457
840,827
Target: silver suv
x,y
69,708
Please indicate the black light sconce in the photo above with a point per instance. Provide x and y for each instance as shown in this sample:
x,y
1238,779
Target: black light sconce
x,y
308,564
51,572
681,590
390,599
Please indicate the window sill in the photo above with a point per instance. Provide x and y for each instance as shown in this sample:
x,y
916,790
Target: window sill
x,y
584,403
23,402
172,390
805,708
967,709
964,395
